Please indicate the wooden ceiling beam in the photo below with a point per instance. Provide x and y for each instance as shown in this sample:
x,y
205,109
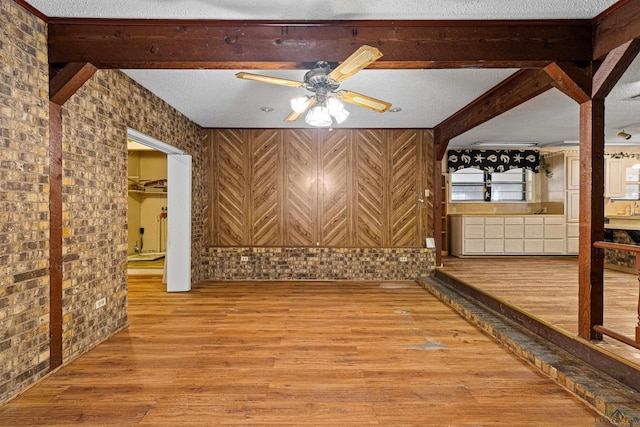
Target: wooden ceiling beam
x,y
615,27
64,82
410,44
573,81
513,91
613,67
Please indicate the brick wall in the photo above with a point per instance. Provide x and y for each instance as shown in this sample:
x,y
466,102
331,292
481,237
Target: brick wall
x,y
24,200
625,261
95,122
267,263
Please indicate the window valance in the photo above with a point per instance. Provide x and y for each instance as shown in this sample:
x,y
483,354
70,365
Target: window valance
x,y
493,160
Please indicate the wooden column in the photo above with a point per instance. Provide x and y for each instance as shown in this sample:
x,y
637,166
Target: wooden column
x,y
591,260
55,234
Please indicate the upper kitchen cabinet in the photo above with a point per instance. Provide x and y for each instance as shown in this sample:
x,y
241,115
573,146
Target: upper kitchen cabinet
x,y
622,178
614,178
572,172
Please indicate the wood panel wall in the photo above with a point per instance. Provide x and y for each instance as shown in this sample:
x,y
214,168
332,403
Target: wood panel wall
x,y
314,187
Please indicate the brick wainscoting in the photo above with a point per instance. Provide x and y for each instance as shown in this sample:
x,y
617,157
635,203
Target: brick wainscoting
x,y
227,263
621,260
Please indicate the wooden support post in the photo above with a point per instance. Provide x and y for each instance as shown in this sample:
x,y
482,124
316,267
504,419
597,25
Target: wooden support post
x,y
591,259
55,233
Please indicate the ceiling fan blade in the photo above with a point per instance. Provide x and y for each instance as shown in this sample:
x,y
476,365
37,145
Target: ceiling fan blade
x,y
270,80
358,60
295,116
363,101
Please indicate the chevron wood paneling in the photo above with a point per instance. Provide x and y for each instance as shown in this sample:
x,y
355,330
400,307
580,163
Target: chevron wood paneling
x,y
308,187
266,204
371,176
336,189
404,182
229,150
300,188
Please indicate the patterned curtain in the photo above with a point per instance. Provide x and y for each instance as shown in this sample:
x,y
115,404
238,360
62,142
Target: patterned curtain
x,y
493,160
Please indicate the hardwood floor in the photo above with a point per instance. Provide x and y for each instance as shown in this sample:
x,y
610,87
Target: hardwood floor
x,y
295,353
547,287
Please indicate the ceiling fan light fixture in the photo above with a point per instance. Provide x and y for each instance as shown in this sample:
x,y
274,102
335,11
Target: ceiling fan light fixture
x,y
300,104
318,116
335,106
325,105
341,116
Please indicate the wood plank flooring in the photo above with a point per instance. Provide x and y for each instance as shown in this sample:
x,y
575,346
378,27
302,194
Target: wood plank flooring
x,y
295,353
547,287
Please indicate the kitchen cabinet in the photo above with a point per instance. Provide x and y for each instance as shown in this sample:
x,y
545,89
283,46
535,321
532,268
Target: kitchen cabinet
x,y
494,235
572,206
554,235
508,235
573,231
614,178
572,168
514,234
533,235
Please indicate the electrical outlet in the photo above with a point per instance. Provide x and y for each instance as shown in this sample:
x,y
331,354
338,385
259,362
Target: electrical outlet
x,y
101,302
244,258
403,259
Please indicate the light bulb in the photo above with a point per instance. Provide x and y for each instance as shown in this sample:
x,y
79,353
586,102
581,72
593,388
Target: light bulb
x,y
300,104
342,116
318,116
335,107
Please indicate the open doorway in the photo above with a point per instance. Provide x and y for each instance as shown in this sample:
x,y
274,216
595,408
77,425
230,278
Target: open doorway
x,y
160,209
147,209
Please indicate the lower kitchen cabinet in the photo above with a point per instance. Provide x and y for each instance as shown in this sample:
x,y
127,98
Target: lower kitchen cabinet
x,y
508,235
573,232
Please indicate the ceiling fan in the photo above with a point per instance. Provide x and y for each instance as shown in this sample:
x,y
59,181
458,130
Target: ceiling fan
x,y
324,105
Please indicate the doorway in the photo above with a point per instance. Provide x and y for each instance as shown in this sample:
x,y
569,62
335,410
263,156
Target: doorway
x,y
160,216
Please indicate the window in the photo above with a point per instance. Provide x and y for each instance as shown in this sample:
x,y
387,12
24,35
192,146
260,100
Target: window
x,y
468,185
476,185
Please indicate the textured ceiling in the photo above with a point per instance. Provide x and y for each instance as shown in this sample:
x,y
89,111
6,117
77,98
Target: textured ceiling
x,y
215,98
324,9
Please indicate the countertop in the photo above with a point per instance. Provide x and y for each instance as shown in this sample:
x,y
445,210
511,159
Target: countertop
x,y
622,222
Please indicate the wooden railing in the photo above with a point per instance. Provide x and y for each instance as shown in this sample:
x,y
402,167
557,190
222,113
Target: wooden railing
x,y
605,331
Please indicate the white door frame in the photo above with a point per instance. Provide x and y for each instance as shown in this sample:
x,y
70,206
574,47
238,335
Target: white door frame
x,y
178,255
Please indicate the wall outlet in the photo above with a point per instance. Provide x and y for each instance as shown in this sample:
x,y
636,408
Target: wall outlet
x,y
244,258
101,302
403,259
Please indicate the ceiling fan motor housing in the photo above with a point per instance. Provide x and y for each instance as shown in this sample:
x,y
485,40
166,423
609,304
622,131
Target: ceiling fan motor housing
x,y
317,79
